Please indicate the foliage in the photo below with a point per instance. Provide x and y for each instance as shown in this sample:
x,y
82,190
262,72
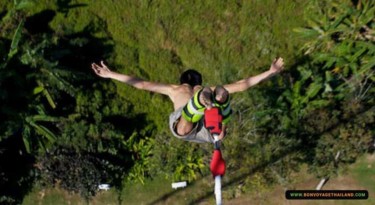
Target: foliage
x,y
75,172
330,96
179,161
322,104
52,105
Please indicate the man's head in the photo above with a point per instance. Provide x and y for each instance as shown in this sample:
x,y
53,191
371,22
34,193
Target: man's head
x,y
191,77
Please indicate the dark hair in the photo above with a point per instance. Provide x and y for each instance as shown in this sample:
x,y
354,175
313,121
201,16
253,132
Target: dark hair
x,y
191,77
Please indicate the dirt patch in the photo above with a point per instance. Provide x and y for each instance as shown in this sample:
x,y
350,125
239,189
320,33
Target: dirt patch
x,y
370,158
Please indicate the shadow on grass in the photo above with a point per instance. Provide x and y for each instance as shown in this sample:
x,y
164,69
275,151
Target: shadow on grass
x,y
255,169
304,147
16,167
64,6
237,178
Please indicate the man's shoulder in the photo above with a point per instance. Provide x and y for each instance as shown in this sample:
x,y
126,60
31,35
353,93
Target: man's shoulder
x,y
182,90
182,87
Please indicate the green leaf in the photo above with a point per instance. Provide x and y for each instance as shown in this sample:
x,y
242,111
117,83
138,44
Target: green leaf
x,y
318,103
357,54
312,91
45,118
328,76
285,122
37,90
305,73
40,129
49,98
100,146
306,33
24,4
15,40
327,88
297,88
27,144
321,57
368,66
287,95
26,139
338,21
330,62
315,25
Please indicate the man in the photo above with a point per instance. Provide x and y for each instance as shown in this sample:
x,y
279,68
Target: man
x,y
190,99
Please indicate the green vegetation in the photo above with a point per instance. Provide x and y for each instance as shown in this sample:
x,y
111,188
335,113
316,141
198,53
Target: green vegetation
x,y
68,128
365,174
159,190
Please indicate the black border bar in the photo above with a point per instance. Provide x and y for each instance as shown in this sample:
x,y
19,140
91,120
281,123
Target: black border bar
x,y
326,194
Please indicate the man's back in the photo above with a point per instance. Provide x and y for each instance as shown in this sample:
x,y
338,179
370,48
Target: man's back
x,y
180,94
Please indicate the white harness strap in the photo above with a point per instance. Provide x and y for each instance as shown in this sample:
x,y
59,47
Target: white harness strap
x,y
191,108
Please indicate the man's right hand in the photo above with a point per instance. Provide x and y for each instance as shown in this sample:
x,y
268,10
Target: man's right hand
x,y
102,70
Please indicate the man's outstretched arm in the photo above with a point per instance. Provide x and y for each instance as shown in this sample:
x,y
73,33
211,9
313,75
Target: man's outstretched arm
x,y
104,72
242,85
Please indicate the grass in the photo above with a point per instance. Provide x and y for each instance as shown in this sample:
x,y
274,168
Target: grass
x,y
364,173
159,191
156,40
145,194
54,196
358,176
135,193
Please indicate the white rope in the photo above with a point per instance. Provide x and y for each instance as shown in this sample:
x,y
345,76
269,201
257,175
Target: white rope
x,y
217,182
218,189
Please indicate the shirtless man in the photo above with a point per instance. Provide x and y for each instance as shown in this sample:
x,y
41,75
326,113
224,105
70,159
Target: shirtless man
x,y
190,99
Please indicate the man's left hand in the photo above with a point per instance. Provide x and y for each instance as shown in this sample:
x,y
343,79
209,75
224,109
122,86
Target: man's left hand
x,y
277,65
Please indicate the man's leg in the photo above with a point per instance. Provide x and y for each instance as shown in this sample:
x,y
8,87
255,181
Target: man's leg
x,y
184,127
194,110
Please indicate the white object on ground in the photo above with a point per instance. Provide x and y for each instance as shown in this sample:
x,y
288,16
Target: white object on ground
x,y
179,185
105,187
218,189
321,183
